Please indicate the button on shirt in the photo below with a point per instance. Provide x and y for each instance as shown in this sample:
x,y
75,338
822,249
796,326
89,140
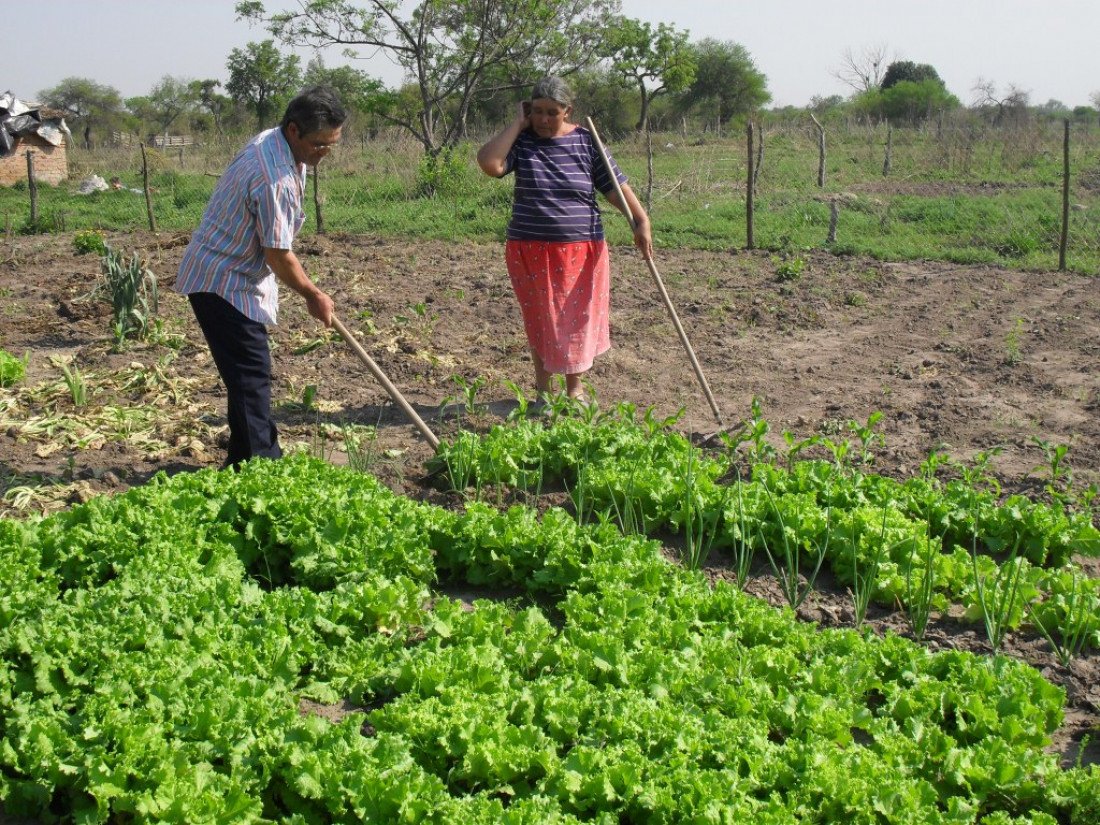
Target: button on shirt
x,y
257,204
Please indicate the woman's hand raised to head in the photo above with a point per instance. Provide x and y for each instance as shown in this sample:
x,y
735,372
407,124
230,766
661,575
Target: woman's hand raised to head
x,y
491,157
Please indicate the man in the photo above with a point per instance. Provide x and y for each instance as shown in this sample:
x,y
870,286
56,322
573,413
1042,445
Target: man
x,y
240,250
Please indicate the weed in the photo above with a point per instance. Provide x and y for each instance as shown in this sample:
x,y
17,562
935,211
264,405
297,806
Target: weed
x,y
91,240
12,369
788,269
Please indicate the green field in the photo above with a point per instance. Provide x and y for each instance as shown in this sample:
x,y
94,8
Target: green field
x,y
958,192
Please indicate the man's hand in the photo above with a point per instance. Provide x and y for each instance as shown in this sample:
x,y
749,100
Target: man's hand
x,y
320,306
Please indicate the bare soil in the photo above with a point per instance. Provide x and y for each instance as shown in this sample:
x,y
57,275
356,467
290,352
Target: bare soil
x,y
963,359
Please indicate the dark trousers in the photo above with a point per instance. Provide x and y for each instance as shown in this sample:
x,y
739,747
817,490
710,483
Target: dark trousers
x,y
240,350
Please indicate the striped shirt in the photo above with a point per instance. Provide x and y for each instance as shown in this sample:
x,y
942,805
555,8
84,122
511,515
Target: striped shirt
x,y
257,204
556,184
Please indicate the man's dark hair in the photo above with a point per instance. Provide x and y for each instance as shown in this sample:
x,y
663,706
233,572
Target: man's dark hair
x,y
315,109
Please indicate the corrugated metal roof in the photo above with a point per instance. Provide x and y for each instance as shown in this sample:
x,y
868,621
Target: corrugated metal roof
x,y
18,119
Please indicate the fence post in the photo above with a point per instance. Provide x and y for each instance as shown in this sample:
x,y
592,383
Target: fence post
x,y
145,185
32,187
759,158
750,194
820,152
1065,199
889,149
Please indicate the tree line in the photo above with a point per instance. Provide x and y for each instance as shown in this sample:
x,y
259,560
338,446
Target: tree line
x,y
466,62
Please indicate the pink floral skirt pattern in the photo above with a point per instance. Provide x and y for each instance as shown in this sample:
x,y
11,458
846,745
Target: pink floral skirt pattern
x,y
563,289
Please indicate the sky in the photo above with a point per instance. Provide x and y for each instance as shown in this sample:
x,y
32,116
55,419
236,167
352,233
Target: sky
x,y
1047,48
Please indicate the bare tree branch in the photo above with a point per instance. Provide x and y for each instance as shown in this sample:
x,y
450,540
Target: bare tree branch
x,y
864,71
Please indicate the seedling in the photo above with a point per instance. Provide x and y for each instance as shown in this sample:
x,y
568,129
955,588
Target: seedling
x,y
920,582
78,389
1070,618
786,563
998,591
864,581
1059,472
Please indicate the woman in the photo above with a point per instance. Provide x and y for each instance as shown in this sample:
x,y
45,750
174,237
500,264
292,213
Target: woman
x,y
556,253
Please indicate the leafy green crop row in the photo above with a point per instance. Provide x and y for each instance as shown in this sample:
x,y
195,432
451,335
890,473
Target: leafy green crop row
x,y
959,541
156,649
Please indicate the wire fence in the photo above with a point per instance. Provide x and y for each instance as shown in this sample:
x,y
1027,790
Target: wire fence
x,y
950,190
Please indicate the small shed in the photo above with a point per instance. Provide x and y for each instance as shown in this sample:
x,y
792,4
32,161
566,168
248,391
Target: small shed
x,y
29,128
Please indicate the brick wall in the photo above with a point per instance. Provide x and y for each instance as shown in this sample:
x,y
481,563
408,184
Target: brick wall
x,y
50,162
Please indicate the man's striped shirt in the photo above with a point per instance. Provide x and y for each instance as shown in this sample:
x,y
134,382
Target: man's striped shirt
x,y
257,204
556,184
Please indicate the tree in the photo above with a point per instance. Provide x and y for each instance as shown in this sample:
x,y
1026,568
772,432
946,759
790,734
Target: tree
x,y
820,105
908,94
170,98
448,48
907,70
262,79
864,71
655,61
356,89
726,79
209,100
610,104
87,104
1083,114
1012,105
911,102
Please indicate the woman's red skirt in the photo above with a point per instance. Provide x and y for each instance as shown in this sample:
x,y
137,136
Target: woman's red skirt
x,y
563,289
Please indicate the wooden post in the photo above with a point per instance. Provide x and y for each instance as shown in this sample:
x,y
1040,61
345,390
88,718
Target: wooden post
x,y
32,187
750,194
145,185
317,202
759,159
834,218
889,150
820,152
1065,200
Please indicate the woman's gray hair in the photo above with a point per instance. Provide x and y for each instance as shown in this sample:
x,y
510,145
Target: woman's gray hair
x,y
553,88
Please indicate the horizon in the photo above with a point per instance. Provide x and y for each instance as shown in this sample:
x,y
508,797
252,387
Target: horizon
x,y
797,45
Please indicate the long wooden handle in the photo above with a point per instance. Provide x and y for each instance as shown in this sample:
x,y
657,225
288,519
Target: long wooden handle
x,y
657,279
398,398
